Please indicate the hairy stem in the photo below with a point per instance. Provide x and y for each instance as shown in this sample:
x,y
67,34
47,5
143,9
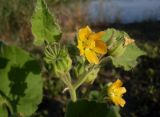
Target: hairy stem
x,y
73,94
72,91
83,78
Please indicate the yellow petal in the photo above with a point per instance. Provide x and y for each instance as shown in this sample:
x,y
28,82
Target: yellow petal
x,y
91,56
117,83
121,102
100,47
115,100
84,33
97,36
80,47
118,101
122,90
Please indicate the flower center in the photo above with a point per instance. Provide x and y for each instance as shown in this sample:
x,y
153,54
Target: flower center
x,y
88,43
113,93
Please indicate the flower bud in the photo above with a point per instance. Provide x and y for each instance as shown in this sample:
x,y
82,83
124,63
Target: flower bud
x,y
118,46
118,42
118,50
92,76
59,58
80,69
80,66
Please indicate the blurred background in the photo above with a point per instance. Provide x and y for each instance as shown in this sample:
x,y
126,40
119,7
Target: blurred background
x,y
139,18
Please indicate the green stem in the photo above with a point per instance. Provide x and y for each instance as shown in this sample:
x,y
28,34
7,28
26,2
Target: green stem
x,y
73,94
72,91
3,101
83,78
10,107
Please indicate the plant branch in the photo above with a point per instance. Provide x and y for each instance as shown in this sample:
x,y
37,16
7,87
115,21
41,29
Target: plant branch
x,y
68,82
83,78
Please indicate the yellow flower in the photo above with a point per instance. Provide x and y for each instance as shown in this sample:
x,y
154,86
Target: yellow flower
x,y
91,45
115,93
128,41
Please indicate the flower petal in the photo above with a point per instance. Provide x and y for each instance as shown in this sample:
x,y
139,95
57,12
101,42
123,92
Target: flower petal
x,y
121,102
80,47
84,33
115,100
100,47
92,44
91,56
118,83
122,90
97,36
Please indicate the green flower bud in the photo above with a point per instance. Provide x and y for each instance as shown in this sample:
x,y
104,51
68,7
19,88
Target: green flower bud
x,y
92,76
118,42
80,66
58,56
78,70
116,45
117,50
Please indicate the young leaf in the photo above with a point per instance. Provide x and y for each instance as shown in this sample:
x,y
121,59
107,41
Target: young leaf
x,y
44,26
21,82
129,59
84,108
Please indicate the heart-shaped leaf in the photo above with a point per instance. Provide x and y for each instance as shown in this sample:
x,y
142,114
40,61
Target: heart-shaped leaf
x,y
84,108
21,82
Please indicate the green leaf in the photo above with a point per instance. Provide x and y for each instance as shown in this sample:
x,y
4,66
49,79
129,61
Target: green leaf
x,y
44,26
21,82
129,59
84,108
